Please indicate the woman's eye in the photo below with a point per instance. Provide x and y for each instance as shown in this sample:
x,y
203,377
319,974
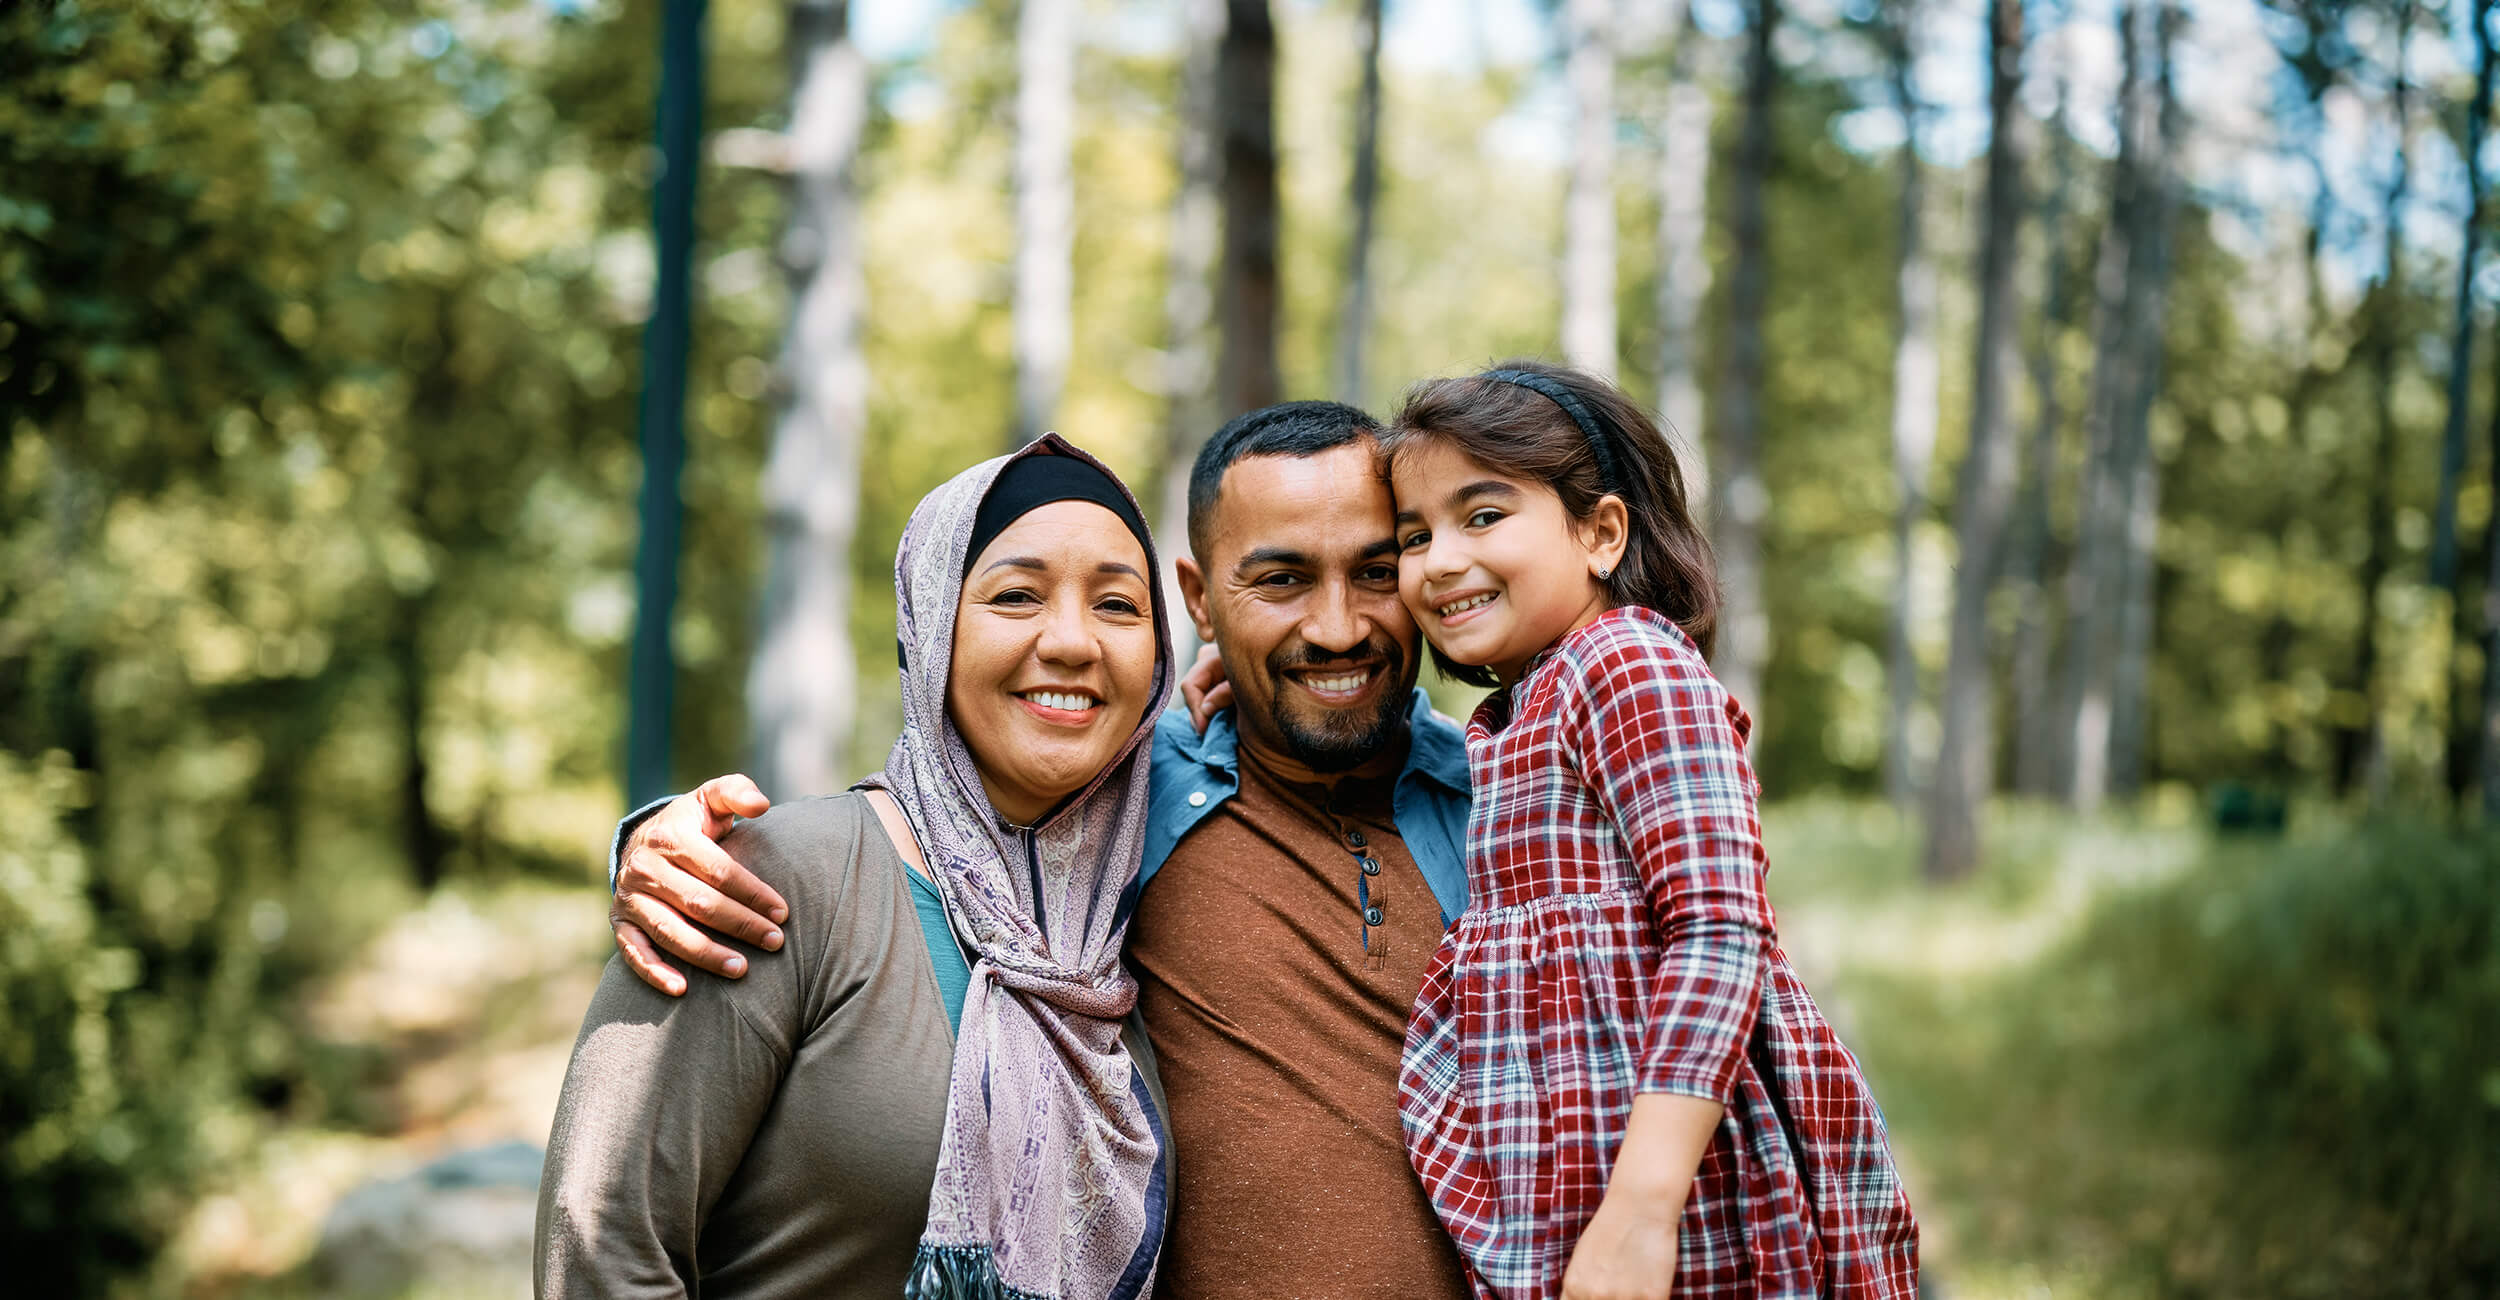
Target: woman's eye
x,y
1121,605
1015,596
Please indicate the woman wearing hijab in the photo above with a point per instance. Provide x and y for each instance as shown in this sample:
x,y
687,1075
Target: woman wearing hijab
x,y
820,1128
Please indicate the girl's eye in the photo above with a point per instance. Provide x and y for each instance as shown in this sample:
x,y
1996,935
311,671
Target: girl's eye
x,y
1414,539
1484,517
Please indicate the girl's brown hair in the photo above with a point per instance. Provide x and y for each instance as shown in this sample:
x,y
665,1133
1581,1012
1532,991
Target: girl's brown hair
x,y
1518,431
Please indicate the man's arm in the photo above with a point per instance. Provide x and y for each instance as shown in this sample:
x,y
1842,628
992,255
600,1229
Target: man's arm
x,y
668,873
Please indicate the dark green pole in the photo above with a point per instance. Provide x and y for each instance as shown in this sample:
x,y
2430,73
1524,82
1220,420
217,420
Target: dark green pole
x,y
664,343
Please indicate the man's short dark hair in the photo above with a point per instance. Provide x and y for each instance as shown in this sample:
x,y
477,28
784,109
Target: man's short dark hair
x,y
1285,429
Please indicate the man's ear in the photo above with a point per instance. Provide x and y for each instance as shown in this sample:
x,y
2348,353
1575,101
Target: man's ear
x,y
1194,595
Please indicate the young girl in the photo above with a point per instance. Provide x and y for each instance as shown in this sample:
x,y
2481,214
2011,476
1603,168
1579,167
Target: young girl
x,y
1614,1084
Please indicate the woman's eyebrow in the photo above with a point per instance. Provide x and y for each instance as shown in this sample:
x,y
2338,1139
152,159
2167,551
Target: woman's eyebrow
x,y
1019,561
1114,566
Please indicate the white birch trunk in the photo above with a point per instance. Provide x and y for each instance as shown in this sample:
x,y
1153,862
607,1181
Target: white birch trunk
x,y
1588,323
1683,261
1354,314
2036,727
1189,297
1916,382
1045,209
801,685
1966,754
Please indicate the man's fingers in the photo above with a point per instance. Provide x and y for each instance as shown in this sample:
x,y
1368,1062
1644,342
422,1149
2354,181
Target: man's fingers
x,y
729,796
676,935
644,960
758,908
701,902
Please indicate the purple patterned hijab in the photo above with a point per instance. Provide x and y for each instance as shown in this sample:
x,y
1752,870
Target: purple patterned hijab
x,y
1051,1180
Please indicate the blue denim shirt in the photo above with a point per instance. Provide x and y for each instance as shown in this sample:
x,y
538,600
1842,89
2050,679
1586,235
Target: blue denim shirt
x,y
1192,776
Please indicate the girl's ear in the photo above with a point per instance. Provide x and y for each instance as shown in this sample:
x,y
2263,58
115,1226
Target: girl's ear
x,y
1606,534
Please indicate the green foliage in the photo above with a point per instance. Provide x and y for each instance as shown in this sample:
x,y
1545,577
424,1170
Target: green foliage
x,y
2268,1074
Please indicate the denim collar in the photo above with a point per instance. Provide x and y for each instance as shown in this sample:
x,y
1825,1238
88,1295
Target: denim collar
x,y
1436,748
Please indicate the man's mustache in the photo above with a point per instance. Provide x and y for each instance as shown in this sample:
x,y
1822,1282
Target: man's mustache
x,y
1386,655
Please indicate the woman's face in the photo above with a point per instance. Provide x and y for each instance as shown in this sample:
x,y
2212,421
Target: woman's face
x,y
1054,654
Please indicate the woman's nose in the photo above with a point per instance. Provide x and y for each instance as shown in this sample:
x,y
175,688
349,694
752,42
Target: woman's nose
x,y
1067,635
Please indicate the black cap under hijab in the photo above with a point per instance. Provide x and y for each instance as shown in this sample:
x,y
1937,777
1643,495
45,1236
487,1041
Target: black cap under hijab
x,y
1032,482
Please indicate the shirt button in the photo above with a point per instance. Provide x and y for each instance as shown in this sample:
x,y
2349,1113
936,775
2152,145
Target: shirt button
x,y
1371,915
1197,798
1354,838
1371,867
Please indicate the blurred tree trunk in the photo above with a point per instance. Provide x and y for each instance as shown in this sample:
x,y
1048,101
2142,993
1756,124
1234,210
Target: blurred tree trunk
x,y
2097,578
1966,753
800,686
651,682
2461,345
1588,311
2029,562
1683,261
1190,412
1915,383
1045,209
2487,748
1247,292
1354,315
422,838
2464,703
2131,679
1740,500
2357,744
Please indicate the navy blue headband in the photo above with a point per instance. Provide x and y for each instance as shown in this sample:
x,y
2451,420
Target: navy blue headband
x,y
1609,469
1035,481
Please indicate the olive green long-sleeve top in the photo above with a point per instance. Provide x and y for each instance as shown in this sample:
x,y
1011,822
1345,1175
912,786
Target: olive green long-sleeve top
x,y
774,1135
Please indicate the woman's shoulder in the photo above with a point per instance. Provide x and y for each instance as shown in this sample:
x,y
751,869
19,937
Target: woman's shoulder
x,y
828,846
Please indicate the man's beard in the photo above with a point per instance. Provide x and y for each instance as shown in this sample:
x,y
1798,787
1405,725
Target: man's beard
x,y
1337,739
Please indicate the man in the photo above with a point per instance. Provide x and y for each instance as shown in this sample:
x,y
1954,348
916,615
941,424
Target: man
x,y
1303,858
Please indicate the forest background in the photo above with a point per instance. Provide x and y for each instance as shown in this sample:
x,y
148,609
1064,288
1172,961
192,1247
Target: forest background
x,y
2096,399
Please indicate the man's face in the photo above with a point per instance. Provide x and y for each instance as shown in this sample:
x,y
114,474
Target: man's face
x,y
1299,593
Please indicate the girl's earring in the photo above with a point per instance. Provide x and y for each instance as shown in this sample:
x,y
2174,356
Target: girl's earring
x,y
1605,574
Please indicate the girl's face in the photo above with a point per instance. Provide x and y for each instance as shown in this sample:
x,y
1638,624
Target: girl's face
x,y
1493,568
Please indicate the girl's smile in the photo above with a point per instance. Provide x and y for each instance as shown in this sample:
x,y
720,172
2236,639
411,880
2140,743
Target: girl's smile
x,y
1493,568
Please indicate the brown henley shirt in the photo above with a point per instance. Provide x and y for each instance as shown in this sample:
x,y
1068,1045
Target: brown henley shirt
x,y
1278,1015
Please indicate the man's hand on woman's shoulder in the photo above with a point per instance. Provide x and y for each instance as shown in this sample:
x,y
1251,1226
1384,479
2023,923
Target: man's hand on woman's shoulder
x,y
674,873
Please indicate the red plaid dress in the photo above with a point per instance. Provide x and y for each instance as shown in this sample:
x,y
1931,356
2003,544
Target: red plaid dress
x,y
1618,941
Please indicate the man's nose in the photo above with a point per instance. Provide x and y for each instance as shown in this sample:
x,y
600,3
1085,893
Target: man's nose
x,y
1335,621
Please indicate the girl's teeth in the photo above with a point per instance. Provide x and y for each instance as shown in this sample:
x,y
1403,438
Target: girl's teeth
x,y
1463,606
1055,700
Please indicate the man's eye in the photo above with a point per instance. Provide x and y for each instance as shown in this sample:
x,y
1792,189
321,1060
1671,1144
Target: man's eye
x,y
1279,580
1378,573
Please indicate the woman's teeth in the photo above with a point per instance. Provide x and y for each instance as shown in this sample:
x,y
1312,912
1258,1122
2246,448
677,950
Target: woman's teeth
x,y
1349,682
1059,700
1462,606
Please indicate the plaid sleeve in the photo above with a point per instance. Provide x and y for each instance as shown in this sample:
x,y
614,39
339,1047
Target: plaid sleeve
x,y
1660,749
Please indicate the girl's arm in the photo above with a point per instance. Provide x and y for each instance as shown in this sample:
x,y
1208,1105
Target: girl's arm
x,y
1657,743
1628,1249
